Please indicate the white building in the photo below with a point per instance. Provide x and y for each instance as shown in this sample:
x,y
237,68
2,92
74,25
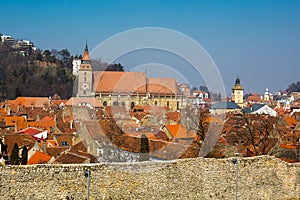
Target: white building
x,y
76,66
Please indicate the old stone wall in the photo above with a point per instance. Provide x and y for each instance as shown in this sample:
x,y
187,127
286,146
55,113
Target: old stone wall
x,y
258,178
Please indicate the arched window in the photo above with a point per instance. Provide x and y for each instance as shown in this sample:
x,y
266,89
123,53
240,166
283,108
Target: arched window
x,y
131,105
104,103
168,103
155,103
115,103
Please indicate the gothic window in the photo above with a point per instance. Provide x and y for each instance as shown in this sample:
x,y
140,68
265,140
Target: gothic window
x,y
104,103
132,105
168,103
155,103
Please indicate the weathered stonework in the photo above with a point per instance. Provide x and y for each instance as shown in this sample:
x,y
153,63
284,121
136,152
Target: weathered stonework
x,y
259,178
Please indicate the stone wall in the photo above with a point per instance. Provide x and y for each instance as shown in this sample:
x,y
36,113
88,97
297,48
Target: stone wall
x,y
259,178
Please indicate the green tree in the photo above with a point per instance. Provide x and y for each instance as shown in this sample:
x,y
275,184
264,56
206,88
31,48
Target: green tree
x,y
144,150
24,157
47,55
14,158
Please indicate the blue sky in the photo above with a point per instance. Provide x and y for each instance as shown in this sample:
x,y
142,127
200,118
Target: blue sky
x,y
257,40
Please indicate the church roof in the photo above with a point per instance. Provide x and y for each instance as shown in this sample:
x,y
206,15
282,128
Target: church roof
x,y
132,82
123,82
162,86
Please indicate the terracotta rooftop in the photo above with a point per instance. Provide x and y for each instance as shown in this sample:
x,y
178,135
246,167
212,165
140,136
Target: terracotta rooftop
x,y
31,101
178,131
291,122
78,101
123,82
21,140
11,120
162,86
64,139
35,133
55,151
39,158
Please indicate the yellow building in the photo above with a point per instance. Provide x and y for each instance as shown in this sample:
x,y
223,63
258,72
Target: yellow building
x,y
238,93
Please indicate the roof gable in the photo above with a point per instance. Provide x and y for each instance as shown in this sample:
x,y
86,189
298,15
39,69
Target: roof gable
x,y
39,158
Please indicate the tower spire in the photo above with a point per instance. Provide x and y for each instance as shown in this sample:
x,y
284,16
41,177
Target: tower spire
x,y
86,46
86,56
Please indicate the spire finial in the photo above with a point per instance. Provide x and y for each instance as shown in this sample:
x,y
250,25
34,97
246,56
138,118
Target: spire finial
x,y
237,80
86,46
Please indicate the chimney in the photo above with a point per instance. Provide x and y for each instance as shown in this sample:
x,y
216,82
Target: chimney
x,y
44,146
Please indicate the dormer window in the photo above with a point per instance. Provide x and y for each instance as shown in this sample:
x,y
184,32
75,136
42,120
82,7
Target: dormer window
x,y
64,143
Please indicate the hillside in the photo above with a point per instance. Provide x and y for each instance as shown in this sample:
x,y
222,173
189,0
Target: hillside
x,y
30,76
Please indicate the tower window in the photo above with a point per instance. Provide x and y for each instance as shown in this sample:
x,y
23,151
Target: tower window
x,y
84,79
131,105
104,103
155,103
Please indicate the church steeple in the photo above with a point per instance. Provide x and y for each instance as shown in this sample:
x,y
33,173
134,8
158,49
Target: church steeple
x,y
86,58
85,75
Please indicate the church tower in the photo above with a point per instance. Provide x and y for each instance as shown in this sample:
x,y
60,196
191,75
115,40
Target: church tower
x,y
238,93
85,76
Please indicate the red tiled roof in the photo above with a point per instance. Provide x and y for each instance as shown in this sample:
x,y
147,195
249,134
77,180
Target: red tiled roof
x,y
178,131
291,122
64,139
71,158
11,120
162,86
75,101
21,140
55,151
124,82
31,101
39,158
287,146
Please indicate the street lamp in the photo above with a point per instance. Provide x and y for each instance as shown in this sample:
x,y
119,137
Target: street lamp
x,y
87,174
236,162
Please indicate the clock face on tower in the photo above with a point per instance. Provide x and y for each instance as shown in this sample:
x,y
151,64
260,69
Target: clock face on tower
x,y
84,86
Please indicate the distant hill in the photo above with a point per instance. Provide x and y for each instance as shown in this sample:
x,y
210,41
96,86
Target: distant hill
x,y
37,74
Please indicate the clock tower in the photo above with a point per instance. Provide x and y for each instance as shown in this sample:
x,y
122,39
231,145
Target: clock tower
x,y
85,76
238,93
